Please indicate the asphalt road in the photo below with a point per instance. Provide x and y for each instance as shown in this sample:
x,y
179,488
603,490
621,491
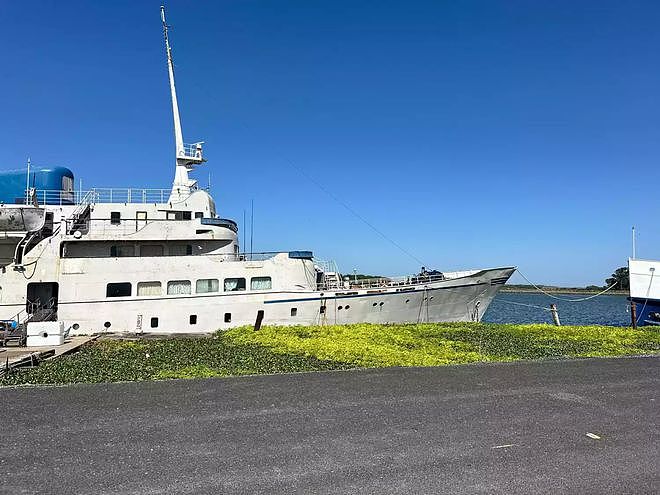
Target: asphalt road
x,y
507,428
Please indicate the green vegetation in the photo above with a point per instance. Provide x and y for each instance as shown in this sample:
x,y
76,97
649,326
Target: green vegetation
x,y
436,344
153,359
243,351
620,277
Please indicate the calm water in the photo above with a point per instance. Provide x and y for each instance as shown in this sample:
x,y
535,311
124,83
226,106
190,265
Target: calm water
x,y
512,307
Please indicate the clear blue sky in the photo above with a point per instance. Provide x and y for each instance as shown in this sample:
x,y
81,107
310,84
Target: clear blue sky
x,y
473,133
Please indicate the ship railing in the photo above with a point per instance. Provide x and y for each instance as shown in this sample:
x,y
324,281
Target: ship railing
x,y
50,197
349,282
100,195
193,151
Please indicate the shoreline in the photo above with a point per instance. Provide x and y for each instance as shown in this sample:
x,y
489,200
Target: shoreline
x,y
563,291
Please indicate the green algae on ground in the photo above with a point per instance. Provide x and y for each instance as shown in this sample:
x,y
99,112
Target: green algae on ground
x,y
242,351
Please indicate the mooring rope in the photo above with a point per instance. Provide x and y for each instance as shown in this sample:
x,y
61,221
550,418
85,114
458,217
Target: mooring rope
x,y
522,304
566,299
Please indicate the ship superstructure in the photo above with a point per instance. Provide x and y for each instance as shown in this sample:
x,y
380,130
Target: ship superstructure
x,y
152,260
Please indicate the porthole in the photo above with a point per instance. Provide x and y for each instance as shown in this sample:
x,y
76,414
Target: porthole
x,y
407,301
381,303
347,306
75,326
374,304
340,307
107,324
431,298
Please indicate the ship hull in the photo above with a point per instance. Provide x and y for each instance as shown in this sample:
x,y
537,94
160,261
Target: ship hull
x,y
464,299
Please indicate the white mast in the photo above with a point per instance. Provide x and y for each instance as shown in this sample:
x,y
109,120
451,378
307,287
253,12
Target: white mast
x,y
187,155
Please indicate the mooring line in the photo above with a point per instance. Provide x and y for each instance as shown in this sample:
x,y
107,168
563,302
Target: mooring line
x,y
566,299
522,304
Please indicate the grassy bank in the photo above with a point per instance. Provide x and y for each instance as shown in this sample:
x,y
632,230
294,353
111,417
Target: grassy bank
x,y
288,349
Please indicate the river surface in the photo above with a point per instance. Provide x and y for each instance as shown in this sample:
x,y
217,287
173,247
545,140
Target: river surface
x,y
523,307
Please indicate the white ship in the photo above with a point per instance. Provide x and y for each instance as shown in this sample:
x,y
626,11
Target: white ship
x,y
645,290
163,261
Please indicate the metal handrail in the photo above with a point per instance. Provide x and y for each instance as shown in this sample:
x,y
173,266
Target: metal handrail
x,y
102,195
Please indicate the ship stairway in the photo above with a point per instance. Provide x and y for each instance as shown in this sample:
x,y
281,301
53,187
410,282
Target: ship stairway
x,y
15,328
79,219
329,276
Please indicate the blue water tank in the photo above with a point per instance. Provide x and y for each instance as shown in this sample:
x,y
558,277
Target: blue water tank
x,y
54,185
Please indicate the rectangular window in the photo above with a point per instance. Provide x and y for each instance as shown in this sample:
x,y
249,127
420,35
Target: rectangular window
x,y
122,251
121,289
207,285
149,289
193,319
177,287
154,322
227,317
261,283
115,217
180,250
199,214
151,250
178,215
294,311
234,284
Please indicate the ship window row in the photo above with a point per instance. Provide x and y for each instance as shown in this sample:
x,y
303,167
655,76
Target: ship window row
x,y
147,250
184,287
115,216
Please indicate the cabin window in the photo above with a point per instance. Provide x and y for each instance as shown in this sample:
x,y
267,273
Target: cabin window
x,y
234,284
115,217
151,250
121,289
122,251
227,317
193,319
261,283
154,322
322,309
199,214
149,289
180,249
178,287
294,311
178,215
207,285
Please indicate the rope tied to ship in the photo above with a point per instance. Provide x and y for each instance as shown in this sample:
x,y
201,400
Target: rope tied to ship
x,y
566,299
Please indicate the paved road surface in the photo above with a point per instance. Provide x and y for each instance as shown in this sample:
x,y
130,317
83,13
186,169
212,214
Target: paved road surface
x,y
508,428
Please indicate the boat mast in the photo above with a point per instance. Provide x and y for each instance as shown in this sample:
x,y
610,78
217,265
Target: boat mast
x,y
187,155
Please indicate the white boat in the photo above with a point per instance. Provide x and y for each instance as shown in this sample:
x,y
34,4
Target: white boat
x,y
645,289
150,260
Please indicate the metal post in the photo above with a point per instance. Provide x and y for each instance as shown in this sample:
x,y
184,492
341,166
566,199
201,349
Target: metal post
x,y
633,314
555,314
260,317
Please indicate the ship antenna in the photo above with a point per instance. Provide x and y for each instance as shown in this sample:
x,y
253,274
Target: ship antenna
x,y
187,155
